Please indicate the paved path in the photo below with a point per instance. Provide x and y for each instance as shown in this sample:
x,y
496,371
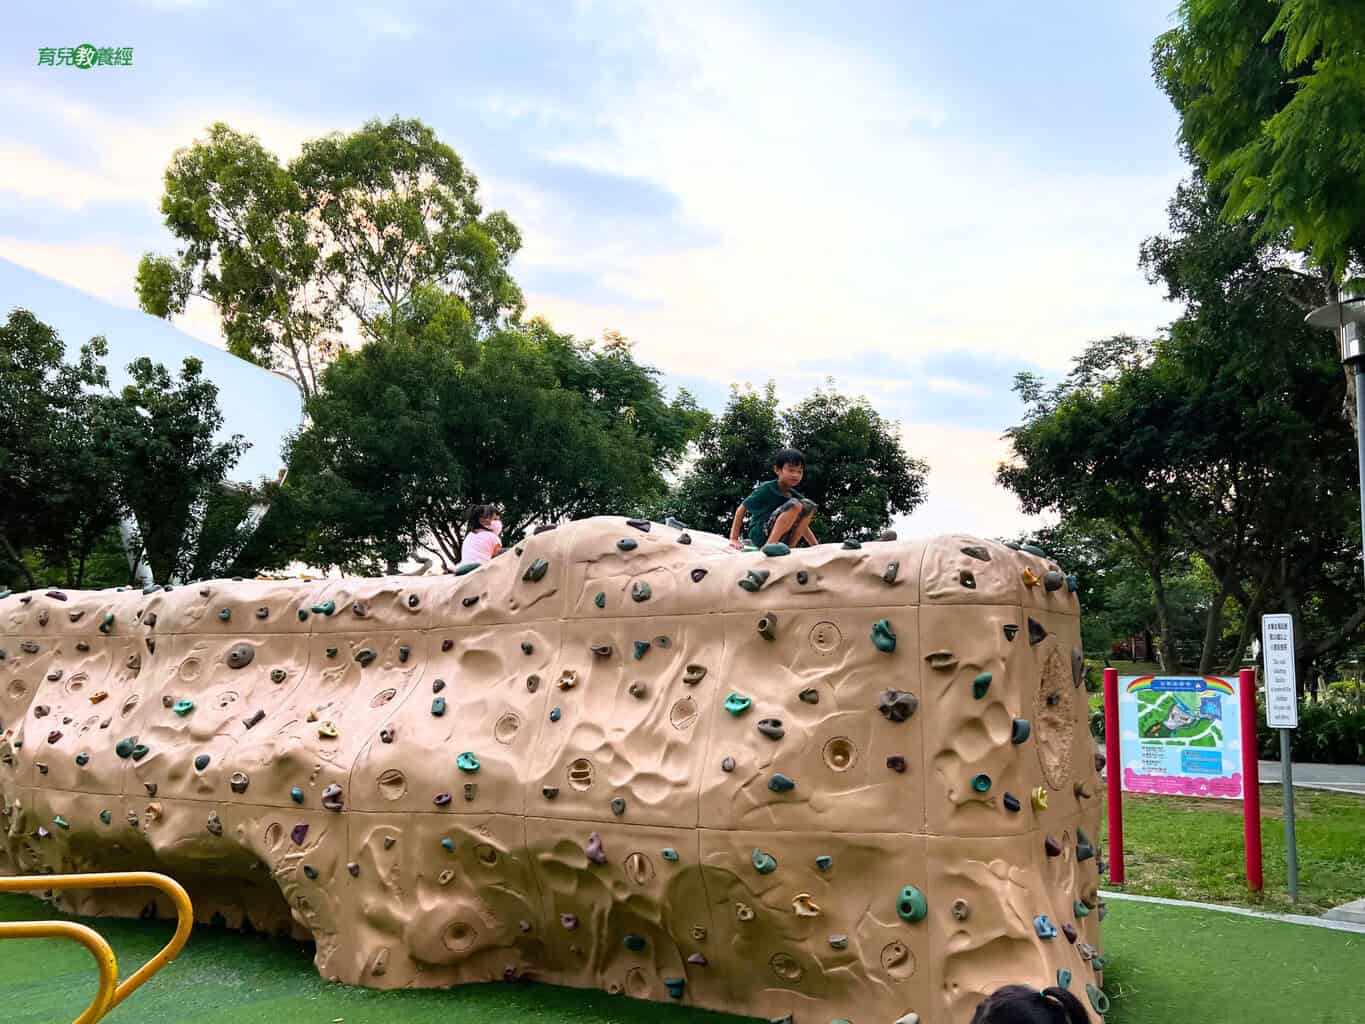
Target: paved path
x,y
1343,778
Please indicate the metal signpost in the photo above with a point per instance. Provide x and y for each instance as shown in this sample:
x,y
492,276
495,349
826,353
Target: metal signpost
x,y
1282,712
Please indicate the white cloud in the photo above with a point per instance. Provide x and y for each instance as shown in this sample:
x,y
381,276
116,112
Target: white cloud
x,y
100,268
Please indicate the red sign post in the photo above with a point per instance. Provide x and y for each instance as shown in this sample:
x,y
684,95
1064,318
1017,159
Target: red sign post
x,y
1251,778
1113,763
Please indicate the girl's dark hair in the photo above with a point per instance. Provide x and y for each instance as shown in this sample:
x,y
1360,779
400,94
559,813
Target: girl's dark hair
x,y
1020,1004
476,513
788,457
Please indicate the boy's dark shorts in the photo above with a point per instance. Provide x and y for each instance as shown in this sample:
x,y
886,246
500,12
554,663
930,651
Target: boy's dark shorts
x,y
792,536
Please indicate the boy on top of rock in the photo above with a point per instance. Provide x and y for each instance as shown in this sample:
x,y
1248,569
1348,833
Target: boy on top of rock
x,y
780,513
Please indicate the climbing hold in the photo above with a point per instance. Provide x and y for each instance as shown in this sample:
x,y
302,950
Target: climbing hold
x,y
549,792
183,707
594,850
441,799
569,921
438,706
238,782
911,904
326,608
694,674
941,660
764,863
838,942
303,614
310,872
967,578
299,833
140,751
238,655
255,719
670,854
82,759
1081,790
296,795
354,869
403,651
981,783
1036,633
780,783
634,943
850,544
960,910
1051,847
767,626
896,763
1044,927
386,734
897,705
98,696
532,683
684,538
332,799
627,544
448,844
447,644
697,960
1079,909
776,549
471,790
106,817
1033,549
1098,963
464,568
804,905
365,655
1063,978
753,580
107,623
437,685
1099,1002
977,551
601,650
890,572
883,636
675,987
277,675
737,704
1053,580
331,652
698,575
600,599
1020,729
640,591
771,728
201,762
727,764
1039,799
467,762
1084,848
554,714
810,695
1073,583
1011,631
535,572
638,690
641,649
1030,578
981,684
327,730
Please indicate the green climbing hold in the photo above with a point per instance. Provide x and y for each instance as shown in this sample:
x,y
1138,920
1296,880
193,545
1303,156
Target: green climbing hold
x,y
675,986
670,855
776,550
1033,549
883,636
634,943
60,822
753,580
464,568
640,592
183,707
326,608
535,572
1063,978
224,614
448,844
1098,963
309,871
140,750
296,795
1079,909
641,649
124,747
438,706
600,599
764,863
982,783
824,862
467,762
981,684
737,703
1098,1000
1020,730
107,623
107,817
911,905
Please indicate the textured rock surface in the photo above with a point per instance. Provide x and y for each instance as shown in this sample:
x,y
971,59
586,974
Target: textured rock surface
x,y
614,825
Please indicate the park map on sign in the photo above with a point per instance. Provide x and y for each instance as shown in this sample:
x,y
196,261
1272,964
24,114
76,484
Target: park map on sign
x,y
1180,719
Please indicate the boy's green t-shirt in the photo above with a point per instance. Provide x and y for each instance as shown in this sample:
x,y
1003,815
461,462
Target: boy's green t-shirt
x,y
766,498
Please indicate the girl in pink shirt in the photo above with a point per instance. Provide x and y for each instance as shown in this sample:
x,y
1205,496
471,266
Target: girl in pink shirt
x,y
482,541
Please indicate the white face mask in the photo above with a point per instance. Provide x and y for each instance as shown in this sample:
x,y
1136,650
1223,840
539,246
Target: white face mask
x,y
495,525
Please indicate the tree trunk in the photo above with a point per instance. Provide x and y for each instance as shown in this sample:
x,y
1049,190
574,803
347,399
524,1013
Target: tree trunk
x,y
1213,628
1163,620
14,557
1253,612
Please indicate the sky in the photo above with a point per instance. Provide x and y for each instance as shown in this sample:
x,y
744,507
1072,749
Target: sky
x,y
916,199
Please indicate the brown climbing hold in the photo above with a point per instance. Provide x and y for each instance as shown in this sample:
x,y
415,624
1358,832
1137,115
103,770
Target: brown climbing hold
x,y
447,644
897,705
569,921
727,764
1053,580
977,551
215,824
1036,633
638,690
694,674
255,719
386,734
437,685
1069,930
240,655
568,680
966,578
771,728
767,626
532,683
960,910
601,650
1052,847
896,763
698,575
239,782
54,675
354,869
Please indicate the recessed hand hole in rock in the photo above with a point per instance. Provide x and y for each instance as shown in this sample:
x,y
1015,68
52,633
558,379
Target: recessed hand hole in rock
x,y
505,728
825,637
639,869
225,699
392,784
273,834
128,705
840,753
383,697
683,714
459,936
189,669
580,774
898,961
486,854
784,965
17,689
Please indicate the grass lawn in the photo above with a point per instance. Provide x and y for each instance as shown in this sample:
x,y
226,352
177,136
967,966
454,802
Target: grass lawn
x,y
1192,849
1166,964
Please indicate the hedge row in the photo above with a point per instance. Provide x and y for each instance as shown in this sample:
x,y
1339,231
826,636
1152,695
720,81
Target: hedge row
x,y
1330,732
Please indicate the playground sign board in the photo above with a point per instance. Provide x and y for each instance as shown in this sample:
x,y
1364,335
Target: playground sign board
x,y
1181,736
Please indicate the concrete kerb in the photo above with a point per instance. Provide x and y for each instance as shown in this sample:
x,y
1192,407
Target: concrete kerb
x,y
1303,919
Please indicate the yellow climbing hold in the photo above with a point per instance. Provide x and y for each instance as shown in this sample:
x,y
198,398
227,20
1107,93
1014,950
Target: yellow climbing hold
x,y
805,906
1031,578
1039,799
327,730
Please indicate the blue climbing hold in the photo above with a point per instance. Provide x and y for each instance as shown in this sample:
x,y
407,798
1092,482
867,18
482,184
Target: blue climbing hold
x,y
780,783
1044,927
467,762
296,795
764,863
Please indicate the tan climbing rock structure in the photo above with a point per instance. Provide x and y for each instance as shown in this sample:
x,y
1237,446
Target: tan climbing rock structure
x,y
847,783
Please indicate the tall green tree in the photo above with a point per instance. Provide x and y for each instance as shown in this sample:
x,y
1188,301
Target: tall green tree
x,y
350,228
406,435
857,468
170,463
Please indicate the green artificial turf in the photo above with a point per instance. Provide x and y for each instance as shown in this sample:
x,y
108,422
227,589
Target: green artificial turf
x,y
1166,964
1192,849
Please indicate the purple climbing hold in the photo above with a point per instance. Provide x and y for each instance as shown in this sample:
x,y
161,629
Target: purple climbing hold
x,y
299,833
569,921
332,799
594,849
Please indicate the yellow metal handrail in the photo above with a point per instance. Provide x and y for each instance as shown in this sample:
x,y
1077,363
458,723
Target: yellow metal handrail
x,y
109,994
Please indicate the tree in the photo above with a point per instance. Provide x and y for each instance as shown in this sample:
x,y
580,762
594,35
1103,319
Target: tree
x,y
404,436
856,467
170,464
57,480
351,227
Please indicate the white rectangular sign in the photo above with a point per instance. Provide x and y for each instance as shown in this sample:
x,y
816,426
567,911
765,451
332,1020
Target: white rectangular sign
x,y
1281,693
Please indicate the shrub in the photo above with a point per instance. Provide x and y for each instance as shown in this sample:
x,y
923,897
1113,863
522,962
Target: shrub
x,y
1330,732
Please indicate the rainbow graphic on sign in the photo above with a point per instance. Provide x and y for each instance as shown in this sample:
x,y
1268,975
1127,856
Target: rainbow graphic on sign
x,y
1180,735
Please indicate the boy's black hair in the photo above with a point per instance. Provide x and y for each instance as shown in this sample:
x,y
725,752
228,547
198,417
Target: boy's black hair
x,y
788,457
476,513
1020,1004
